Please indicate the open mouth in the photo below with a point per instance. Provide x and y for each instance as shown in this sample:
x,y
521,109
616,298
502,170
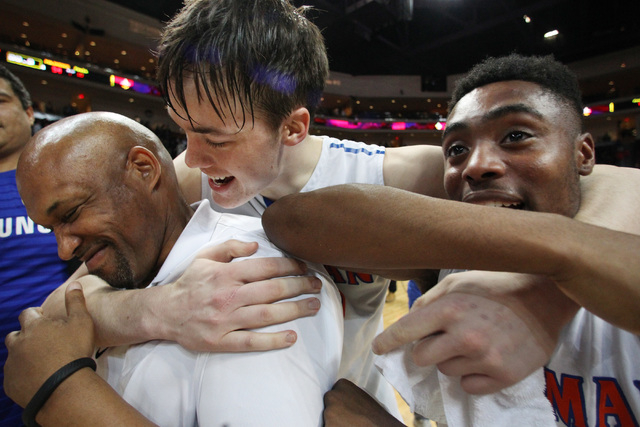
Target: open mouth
x,y
220,181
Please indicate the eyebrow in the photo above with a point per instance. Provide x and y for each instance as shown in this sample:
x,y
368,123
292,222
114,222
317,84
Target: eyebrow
x,y
494,114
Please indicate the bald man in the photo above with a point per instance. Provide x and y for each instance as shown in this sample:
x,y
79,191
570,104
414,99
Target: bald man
x,y
107,188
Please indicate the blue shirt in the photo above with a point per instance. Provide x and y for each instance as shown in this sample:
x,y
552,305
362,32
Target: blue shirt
x,y
29,270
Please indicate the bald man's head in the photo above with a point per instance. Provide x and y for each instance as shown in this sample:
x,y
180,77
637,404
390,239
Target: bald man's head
x,y
106,187
92,138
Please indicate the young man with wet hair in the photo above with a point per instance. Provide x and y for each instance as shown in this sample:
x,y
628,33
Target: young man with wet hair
x,y
242,79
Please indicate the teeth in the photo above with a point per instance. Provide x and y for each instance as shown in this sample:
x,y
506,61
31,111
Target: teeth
x,y
221,180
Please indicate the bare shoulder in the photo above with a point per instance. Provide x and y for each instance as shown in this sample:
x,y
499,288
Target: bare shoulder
x,y
189,179
611,198
417,168
610,171
613,178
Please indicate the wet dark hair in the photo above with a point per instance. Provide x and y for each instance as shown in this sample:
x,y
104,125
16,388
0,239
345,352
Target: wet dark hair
x,y
263,56
551,75
16,85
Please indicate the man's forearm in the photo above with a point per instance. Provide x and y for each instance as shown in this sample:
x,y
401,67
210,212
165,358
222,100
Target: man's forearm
x,y
363,227
376,227
99,405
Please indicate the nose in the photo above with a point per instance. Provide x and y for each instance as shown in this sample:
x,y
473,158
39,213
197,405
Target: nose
x,y
484,163
197,154
67,243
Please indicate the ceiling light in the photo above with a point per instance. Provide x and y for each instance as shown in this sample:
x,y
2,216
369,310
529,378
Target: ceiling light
x,y
23,36
527,19
92,43
551,34
63,35
124,52
116,61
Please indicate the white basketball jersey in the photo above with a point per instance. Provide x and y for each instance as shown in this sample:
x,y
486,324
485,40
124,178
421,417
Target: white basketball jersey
x,y
348,162
593,378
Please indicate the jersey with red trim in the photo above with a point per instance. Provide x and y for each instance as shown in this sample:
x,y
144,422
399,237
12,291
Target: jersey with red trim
x,y
593,378
347,162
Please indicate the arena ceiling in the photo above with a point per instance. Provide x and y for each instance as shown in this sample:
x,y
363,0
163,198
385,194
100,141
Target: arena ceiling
x,y
435,38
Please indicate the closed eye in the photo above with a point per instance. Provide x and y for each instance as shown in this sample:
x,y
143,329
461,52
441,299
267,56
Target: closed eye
x,y
69,216
216,144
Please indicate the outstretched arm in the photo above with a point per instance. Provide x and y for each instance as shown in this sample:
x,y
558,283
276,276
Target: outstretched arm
x,y
209,308
41,347
345,226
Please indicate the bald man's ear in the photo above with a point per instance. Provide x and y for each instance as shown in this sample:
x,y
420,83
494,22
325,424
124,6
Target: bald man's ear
x,y
585,154
143,165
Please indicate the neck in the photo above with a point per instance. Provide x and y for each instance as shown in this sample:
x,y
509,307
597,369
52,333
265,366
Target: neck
x,y
177,221
10,162
178,215
297,166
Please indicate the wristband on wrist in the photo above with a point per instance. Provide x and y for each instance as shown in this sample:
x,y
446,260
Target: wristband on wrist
x,y
40,398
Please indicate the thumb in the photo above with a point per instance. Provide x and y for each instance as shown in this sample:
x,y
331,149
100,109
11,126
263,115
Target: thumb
x,y
74,300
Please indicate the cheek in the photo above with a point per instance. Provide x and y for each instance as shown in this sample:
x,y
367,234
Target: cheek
x,y
452,182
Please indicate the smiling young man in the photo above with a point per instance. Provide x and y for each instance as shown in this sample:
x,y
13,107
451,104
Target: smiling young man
x,y
514,139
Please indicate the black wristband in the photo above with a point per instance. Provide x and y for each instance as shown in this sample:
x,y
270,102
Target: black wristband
x,y
40,398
